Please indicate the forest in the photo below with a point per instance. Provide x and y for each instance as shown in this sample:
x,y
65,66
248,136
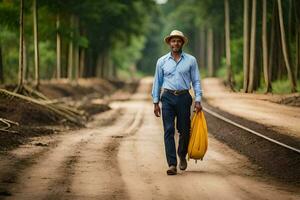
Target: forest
x,y
252,44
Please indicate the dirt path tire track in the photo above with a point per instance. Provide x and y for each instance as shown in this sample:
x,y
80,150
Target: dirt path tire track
x,y
127,161
51,175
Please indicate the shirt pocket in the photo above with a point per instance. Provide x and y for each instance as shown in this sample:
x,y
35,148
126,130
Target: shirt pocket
x,y
169,71
184,69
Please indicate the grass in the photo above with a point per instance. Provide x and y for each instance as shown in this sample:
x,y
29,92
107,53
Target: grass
x,y
279,86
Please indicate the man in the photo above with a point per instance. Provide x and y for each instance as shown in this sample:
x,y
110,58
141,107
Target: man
x,y
174,74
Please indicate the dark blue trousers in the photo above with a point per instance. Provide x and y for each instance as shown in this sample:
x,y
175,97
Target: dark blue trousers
x,y
179,107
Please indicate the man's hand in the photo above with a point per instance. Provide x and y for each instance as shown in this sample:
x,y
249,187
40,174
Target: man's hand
x,y
156,110
198,107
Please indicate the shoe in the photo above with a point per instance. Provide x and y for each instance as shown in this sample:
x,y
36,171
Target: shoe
x,y
172,170
182,164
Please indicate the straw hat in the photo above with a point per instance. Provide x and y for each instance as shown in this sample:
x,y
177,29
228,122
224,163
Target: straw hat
x,y
177,34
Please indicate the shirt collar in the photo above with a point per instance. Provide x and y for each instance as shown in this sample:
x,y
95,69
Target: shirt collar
x,y
170,55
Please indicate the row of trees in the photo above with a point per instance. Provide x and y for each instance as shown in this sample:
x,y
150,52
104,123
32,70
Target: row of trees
x,y
277,35
251,43
70,39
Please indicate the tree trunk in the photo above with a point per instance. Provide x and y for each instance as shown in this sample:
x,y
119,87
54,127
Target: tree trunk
x,y
25,68
58,48
297,66
76,50
272,45
20,82
81,61
265,47
202,49
252,47
210,50
227,41
216,51
102,65
36,45
70,57
98,66
297,30
76,63
284,49
1,66
246,46
290,32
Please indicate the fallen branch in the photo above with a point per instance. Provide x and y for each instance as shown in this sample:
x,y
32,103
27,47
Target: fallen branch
x,y
7,123
63,111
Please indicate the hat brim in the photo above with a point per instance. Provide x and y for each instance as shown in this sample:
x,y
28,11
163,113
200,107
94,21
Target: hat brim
x,y
167,39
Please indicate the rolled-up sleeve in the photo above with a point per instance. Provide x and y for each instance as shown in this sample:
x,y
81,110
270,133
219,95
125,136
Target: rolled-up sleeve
x,y
157,83
195,76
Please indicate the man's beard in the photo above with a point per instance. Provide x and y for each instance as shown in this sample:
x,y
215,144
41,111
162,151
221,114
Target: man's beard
x,y
177,50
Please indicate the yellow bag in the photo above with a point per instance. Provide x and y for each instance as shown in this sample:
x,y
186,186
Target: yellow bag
x,y
198,139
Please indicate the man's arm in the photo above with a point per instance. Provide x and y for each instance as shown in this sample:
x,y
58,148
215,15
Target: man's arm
x,y
157,83
195,75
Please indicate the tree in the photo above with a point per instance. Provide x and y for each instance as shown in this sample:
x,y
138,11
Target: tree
x,y
246,45
58,47
1,66
210,50
252,48
36,45
265,47
227,41
284,49
21,69
71,48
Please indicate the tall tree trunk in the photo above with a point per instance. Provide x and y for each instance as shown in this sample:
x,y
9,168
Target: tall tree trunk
x,y
76,50
36,45
202,49
71,52
297,30
210,50
76,61
107,64
246,46
252,48
81,61
284,49
272,45
216,52
102,65
20,82
297,65
99,66
25,68
265,47
227,41
1,66
58,48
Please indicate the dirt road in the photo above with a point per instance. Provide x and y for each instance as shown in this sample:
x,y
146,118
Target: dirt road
x,y
121,156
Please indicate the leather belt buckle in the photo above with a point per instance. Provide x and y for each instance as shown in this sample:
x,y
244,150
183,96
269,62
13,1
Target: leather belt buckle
x,y
176,92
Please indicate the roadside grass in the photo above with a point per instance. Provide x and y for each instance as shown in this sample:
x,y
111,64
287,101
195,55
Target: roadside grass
x,y
279,86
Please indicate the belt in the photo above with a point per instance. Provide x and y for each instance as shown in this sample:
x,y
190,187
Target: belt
x,y
176,92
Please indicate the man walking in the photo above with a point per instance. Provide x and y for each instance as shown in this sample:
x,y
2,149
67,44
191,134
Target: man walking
x,y
174,74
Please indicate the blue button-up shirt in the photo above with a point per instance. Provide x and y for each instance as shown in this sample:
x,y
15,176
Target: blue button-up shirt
x,y
179,75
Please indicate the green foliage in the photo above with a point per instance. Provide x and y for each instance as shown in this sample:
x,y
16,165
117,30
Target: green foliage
x,y
130,31
104,26
125,56
9,15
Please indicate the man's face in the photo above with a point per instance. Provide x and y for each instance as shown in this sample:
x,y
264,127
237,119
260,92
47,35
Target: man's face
x,y
176,44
